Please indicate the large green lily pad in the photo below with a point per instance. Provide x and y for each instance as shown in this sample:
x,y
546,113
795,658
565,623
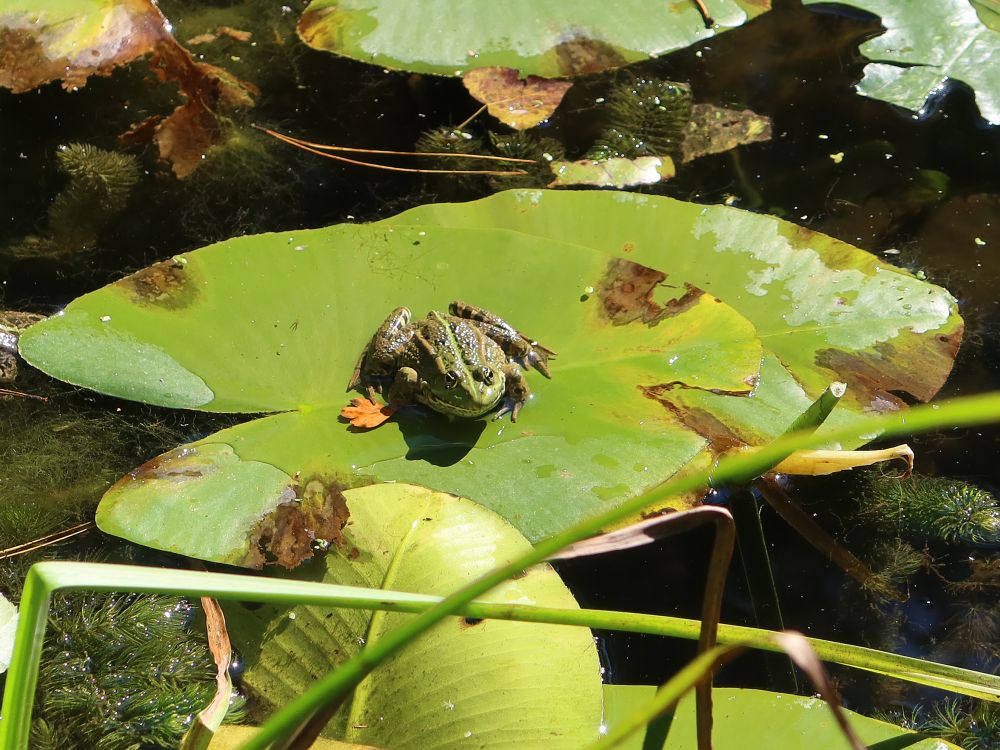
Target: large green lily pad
x,y
549,38
682,331
749,719
495,683
926,43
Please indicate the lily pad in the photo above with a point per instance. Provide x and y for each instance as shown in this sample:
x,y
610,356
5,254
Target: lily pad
x,y
682,331
924,45
544,680
747,719
549,38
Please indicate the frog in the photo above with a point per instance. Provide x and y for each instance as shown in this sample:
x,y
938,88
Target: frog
x,y
463,363
12,323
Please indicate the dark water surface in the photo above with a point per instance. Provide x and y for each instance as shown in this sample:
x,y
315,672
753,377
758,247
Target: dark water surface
x,y
793,65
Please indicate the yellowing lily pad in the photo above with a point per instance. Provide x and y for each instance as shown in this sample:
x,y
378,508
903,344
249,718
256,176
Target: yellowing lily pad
x,y
544,680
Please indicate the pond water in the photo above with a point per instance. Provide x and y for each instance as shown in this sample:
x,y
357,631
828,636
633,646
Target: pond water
x,y
919,192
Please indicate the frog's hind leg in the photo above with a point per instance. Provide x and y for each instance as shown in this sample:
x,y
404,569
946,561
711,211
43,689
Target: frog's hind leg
x,y
513,342
516,394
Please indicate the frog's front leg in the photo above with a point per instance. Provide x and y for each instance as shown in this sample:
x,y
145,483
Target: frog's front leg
x,y
404,389
516,392
513,342
378,358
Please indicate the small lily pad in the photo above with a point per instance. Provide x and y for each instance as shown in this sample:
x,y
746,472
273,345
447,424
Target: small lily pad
x,y
615,172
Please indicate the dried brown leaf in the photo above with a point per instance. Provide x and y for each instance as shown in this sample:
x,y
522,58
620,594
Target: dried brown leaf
x,y
521,104
365,413
207,722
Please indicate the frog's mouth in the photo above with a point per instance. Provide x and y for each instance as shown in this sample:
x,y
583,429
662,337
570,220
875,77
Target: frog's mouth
x,y
459,410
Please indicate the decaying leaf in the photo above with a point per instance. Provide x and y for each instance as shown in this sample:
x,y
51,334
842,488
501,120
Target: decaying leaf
x,y
713,130
617,173
201,39
69,44
54,42
365,413
238,34
208,721
822,462
313,514
520,103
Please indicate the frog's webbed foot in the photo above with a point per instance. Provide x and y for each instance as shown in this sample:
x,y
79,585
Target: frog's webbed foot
x,y
538,357
514,343
516,394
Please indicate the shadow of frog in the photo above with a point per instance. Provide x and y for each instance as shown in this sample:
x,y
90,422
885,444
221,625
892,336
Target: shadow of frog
x,y
436,439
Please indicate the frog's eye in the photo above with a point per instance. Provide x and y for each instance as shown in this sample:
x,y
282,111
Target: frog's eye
x,y
487,374
450,379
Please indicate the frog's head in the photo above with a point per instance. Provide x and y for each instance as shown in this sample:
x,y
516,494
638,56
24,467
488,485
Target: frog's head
x,y
466,379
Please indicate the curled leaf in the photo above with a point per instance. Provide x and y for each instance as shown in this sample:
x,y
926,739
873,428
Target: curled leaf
x,y
821,462
366,414
520,103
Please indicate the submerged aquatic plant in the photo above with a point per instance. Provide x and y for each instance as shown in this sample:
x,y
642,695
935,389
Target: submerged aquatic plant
x,y
526,145
971,724
122,671
931,508
892,561
646,117
99,185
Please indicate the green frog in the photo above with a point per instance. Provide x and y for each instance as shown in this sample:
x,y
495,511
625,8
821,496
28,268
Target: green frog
x,y
462,364
11,325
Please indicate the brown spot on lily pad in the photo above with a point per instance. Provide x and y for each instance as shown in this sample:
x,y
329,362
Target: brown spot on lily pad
x,y
519,103
180,463
165,284
626,293
314,515
721,438
873,377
